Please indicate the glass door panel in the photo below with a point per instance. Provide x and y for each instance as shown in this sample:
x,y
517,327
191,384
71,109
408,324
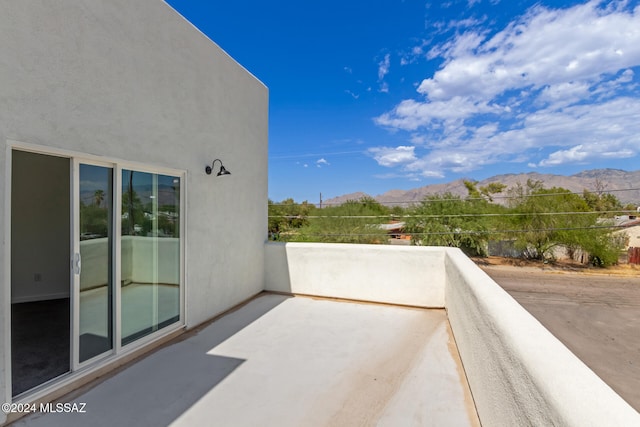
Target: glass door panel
x,y
150,253
95,264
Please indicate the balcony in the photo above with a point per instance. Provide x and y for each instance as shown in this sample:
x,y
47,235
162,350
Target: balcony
x,y
375,335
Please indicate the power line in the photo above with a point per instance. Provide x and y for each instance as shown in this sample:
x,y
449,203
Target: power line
x,y
391,216
465,232
427,200
300,156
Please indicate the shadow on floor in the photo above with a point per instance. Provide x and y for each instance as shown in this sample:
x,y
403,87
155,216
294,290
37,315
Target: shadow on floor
x,y
166,383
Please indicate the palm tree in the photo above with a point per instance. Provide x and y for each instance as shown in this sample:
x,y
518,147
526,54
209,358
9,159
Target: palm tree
x,y
98,197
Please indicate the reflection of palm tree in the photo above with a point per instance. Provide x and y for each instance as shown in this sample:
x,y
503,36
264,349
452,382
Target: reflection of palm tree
x,y
98,197
130,205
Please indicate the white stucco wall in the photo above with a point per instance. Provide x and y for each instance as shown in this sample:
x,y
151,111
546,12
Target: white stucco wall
x,y
632,234
134,81
519,373
5,273
379,273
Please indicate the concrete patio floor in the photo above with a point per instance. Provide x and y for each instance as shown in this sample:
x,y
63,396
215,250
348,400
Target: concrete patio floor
x,y
290,361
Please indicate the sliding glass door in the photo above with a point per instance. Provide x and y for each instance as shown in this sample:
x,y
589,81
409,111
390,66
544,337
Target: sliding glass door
x,y
93,261
96,261
150,253
127,267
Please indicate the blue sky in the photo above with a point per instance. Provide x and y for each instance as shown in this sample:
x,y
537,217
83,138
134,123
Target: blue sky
x,y
396,94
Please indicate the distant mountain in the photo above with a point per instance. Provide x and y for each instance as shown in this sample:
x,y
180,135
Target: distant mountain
x,y
607,180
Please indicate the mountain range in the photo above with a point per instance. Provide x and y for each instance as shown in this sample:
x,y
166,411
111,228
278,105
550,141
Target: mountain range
x,y
622,184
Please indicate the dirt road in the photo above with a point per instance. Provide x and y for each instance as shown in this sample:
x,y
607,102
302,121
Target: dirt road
x,y
596,316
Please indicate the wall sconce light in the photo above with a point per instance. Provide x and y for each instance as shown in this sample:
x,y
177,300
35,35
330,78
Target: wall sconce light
x,y
223,171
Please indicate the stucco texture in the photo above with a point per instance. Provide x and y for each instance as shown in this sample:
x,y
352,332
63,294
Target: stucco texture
x,y
135,83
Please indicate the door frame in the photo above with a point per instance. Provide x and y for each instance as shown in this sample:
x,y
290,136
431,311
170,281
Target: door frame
x,y
75,249
79,370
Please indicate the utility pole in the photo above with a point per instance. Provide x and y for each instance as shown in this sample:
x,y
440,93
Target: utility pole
x,y
320,200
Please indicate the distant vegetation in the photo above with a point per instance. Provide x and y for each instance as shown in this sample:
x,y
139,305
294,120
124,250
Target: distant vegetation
x,y
534,222
355,221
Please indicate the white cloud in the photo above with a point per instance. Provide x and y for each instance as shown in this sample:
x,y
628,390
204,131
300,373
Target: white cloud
x,y
418,139
626,76
597,126
390,156
555,86
583,153
573,155
322,162
565,93
411,114
383,66
413,54
353,95
383,70
545,47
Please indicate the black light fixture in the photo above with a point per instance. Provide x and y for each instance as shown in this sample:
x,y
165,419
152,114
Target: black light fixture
x,y
223,171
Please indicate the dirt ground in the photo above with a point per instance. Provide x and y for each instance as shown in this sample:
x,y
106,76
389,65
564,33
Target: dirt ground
x,y
595,312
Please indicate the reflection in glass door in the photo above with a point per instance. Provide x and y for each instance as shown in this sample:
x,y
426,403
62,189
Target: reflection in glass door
x,y
93,263
150,253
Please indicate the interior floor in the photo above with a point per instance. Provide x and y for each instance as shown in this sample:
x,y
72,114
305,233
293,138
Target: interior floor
x,y
40,346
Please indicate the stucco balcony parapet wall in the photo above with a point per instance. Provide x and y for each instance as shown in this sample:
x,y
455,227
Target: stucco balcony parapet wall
x,y
397,275
518,372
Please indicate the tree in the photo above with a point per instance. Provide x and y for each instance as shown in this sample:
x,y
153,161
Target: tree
x,y
98,197
486,192
602,202
355,221
397,211
94,220
547,218
448,220
132,212
602,247
287,216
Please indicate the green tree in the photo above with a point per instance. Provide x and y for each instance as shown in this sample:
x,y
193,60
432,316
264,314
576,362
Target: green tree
x,y
94,220
485,192
543,220
355,221
602,202
287,216
449,220
548,218
98,197
397,211
132,212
